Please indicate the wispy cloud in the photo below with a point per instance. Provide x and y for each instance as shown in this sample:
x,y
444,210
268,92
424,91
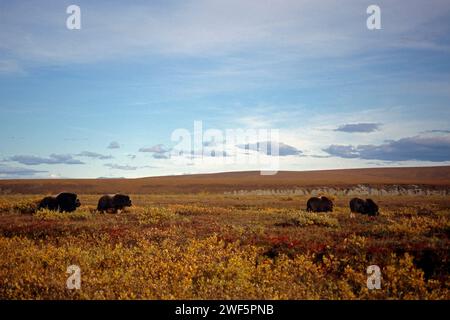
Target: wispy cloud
x,y
159,148
256,121
159,151
125,167
436,131
359,127
207,27
10,66
12,172
267,147
161,156
113,145
120,167
94,155
52,159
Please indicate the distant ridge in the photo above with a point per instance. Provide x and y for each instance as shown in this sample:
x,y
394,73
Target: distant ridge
x,y
434,177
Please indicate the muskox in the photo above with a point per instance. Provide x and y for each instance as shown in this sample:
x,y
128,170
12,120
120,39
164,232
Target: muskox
x,y
321,204
367,206
113,203
63,202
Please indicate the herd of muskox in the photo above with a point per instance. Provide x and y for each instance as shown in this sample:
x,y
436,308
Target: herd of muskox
x,y
357,205
69,202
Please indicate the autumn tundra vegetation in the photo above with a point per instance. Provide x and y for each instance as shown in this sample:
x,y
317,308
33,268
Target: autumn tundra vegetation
x,y
201,245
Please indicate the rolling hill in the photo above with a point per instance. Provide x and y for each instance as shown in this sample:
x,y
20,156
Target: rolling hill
x,y
229,181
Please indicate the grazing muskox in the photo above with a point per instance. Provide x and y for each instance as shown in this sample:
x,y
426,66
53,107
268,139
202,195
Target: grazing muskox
x,y
321,204
367,206
63,202
113,203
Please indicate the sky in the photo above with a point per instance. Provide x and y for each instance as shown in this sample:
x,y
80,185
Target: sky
x,y
123,95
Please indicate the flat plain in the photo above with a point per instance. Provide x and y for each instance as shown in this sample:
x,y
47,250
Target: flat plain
x,y
191,237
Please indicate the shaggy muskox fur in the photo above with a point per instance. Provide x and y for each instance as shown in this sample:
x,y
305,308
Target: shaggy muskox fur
x,y
367,206
113,203
319,204
63,202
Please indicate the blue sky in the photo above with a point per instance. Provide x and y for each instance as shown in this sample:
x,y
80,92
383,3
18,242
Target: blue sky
x,y
104,101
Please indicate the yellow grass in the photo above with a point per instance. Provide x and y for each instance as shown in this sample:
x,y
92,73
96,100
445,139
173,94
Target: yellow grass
x,y
213,246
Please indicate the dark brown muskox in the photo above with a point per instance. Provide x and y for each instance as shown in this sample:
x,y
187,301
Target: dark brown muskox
x,y
113,203
319,204
367,206
63,202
